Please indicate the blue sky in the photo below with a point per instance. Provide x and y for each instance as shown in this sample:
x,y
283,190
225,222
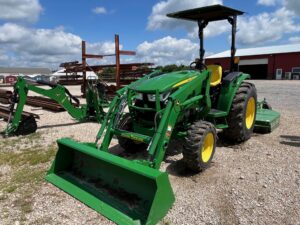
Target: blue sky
x,y
45,33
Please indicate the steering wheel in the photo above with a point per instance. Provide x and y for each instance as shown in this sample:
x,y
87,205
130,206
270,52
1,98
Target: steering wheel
x,y
198,65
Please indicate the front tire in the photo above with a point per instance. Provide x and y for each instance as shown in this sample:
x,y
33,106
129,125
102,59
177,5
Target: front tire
x,y
199,146
242,114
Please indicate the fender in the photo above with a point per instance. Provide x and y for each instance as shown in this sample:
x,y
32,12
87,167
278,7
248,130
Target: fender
x,y
230,85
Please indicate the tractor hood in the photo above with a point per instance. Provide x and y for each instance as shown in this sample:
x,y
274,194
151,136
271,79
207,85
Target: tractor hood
x,y
164,82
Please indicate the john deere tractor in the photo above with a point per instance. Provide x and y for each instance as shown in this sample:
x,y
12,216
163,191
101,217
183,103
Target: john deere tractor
x,y
190,105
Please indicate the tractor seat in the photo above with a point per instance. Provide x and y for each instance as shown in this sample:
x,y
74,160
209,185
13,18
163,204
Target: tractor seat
x,y
216,76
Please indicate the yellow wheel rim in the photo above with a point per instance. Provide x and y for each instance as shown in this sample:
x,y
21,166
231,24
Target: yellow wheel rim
x,y
250,112
208,146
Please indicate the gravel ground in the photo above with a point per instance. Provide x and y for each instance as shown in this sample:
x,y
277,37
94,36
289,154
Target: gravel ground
x,y
256,182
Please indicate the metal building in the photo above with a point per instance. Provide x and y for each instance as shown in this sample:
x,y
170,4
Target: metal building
x,y
6,71
272,62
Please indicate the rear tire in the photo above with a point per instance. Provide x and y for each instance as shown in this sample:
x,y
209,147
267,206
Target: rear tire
x,y
129,145
242,114
199,146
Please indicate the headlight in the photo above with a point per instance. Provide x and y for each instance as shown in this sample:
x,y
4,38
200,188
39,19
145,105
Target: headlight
x,y
163,97
139,96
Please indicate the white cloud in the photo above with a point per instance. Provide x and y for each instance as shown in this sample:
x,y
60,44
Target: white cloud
x,y
99,10
105,48
266,27
20,10
293,5
295,40
4,58
47,47
269,2
12,33
253,30
168,50
159,20
38,41
213,29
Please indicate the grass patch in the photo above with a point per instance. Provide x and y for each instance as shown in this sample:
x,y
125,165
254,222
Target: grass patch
x,y
9,188
31,138
9,142
27,176
30,156
34,136
25,167
28,169
15,141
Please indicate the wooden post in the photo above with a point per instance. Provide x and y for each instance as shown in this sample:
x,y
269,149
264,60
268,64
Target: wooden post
x,y
83,67
117,49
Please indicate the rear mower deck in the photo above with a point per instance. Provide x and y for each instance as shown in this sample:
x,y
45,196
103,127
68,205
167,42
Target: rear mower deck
x,y
266,121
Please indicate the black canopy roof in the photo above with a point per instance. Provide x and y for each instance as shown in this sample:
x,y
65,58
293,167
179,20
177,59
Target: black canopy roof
x,y
208,13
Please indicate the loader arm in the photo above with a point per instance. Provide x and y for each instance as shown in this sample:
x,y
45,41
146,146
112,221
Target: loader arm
x,y
180,101
57,92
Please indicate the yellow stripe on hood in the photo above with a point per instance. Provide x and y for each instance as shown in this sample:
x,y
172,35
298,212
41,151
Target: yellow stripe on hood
x,y
184,82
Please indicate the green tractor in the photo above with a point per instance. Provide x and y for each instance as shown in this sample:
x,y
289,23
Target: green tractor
x,y
190,105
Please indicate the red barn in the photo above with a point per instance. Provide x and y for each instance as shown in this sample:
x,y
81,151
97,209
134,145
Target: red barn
x,y
273,62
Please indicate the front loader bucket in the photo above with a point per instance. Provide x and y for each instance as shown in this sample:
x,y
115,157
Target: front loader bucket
x,y
121,190
266,120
